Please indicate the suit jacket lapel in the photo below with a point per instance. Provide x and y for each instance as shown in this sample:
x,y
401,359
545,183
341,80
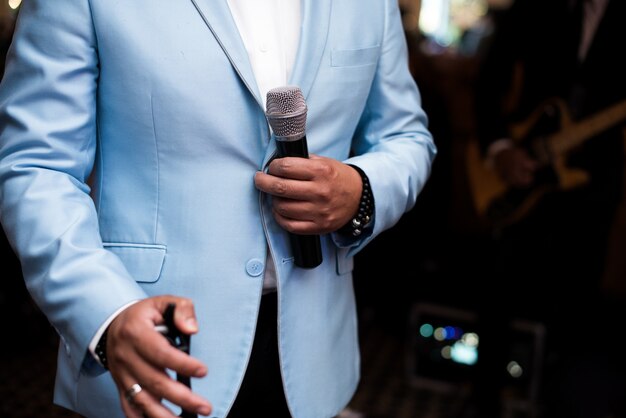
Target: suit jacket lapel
x,y
216,14
315,23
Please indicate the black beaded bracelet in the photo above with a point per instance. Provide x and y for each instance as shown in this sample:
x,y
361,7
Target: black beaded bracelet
x,y
101,350
366,208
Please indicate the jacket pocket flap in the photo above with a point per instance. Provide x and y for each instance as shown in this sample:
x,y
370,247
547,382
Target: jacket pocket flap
x,y
354,57
143,261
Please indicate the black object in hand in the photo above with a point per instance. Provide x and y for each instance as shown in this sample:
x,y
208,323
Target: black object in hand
x,y
286,114
182,342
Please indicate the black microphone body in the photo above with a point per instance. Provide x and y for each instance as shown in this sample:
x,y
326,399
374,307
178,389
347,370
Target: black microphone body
x,y
307,250
287,115
297,148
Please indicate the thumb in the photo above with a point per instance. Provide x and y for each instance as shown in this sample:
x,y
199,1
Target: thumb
x,y
184,313
185,316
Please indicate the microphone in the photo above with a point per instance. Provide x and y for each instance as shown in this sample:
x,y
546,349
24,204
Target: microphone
x,y
286,114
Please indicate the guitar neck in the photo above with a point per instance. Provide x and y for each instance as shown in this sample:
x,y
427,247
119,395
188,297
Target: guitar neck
x,y
577,133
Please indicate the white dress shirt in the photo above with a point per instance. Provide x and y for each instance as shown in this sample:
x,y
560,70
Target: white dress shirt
x,y
270,30
593,10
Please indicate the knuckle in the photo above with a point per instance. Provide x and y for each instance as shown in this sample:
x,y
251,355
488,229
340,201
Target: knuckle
x,y
127,333
325,169
279,166
185,303
161,351
326,214
280,210
140,402
158,387
284,164
280,188
325,192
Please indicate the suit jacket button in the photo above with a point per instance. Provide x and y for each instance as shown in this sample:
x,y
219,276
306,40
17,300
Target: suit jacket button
x,y
255,267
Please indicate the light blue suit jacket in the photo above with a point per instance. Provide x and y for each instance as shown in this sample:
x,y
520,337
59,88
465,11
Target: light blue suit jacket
x,y
130,132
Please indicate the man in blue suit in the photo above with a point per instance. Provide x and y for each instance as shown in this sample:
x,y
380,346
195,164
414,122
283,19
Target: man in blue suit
x,y
138,169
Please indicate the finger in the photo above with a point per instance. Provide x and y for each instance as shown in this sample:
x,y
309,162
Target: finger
x,y
297,226
295,190
153,385
180,395
277,186
184,313
133,341
160,384
155,347
130,411
140,354
271,184
156,351
296,168
144,359
295,210
142,404
185,316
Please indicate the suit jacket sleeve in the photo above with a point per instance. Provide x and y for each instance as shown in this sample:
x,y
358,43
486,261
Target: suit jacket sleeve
x,y
392,144
47,149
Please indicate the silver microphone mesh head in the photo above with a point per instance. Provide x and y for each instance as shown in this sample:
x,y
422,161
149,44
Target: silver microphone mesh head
x,y
286,112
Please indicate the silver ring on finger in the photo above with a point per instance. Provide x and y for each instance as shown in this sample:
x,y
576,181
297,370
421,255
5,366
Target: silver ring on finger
x,y
132,392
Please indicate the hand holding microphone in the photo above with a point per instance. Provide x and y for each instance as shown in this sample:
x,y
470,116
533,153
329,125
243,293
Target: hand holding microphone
x,y
137,354
286,114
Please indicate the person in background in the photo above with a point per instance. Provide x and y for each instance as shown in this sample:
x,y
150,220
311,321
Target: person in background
x,y
138,169
13,295
550,67
7,22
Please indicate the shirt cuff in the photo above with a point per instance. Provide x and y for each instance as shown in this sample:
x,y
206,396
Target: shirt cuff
x,y
103,327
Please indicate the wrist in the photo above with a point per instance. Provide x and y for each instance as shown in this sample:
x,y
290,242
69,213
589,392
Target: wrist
x,y
101,350
365,211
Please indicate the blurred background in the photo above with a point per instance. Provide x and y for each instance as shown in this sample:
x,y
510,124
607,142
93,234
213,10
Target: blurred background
x,y
422,287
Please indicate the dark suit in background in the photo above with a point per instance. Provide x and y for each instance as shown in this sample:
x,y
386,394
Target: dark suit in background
x,y
13,295
548,266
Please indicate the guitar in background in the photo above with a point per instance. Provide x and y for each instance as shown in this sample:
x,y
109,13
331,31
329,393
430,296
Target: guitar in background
x,y
548,135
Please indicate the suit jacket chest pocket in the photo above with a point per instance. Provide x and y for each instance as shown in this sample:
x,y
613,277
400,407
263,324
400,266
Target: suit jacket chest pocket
x,y
358,57
352,71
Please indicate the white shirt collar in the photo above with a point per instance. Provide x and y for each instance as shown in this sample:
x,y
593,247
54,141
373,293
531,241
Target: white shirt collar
x,y
270,30
593,11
